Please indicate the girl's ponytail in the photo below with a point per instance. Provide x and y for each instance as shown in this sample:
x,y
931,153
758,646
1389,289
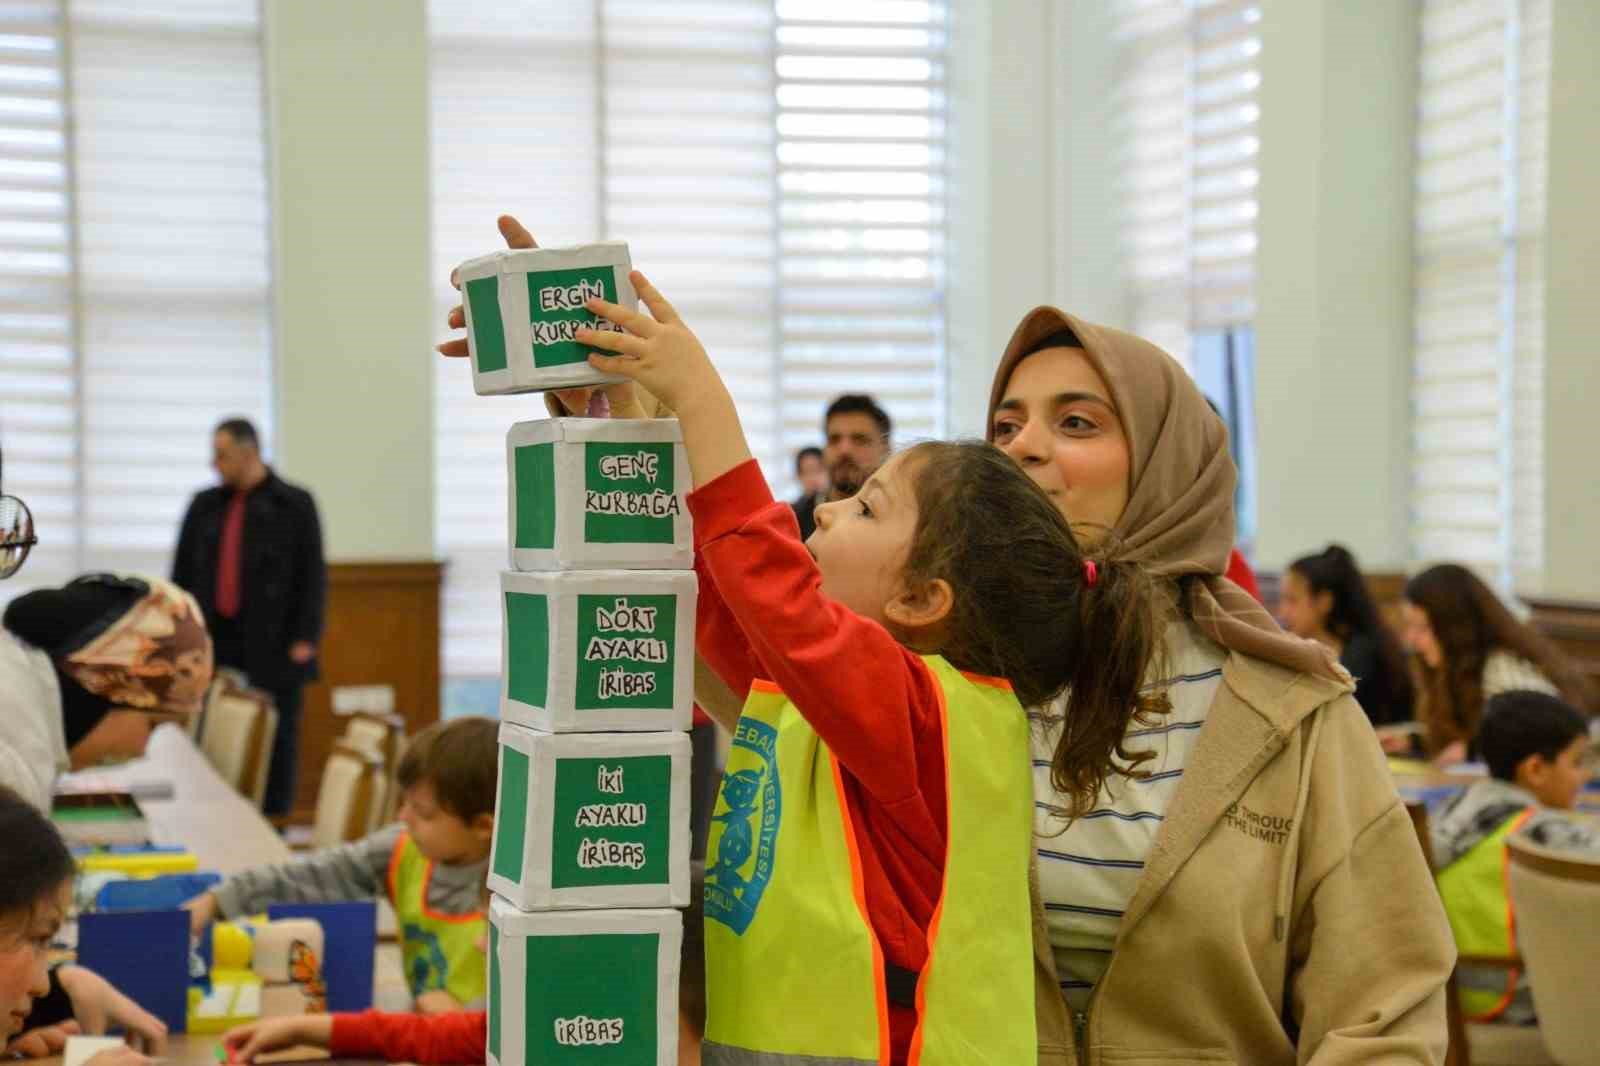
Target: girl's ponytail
x,y
1116,635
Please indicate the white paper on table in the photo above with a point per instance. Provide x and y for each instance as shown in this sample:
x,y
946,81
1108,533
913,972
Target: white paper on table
x,y
80,1049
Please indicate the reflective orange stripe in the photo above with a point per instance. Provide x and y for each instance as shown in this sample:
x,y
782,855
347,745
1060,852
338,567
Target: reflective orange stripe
x,y
858,890
914,1055
983,679
761,684
1513,973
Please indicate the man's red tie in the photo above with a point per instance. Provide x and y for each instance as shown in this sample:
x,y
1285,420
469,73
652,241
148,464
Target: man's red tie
x,y
230,558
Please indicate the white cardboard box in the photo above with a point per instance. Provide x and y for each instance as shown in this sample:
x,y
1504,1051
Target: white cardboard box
x,y
590,820
522,306
598,493
565,982
593,651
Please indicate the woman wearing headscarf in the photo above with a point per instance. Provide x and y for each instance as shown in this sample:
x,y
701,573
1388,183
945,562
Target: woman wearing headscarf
x,y
88,669
1251,890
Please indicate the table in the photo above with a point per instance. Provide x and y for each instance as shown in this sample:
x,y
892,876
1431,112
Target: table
x,y
224,830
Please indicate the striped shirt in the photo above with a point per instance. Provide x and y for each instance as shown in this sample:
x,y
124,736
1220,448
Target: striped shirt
x,y
1088,872
1506,671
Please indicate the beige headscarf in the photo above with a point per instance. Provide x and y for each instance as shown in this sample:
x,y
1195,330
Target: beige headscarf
x,y
1179,517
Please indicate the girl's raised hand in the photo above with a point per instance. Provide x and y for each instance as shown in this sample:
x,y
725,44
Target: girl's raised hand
x,y
661,355
658,351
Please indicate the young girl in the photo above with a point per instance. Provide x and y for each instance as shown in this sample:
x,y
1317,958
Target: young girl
x,y
36,872
866,893
1469,647
1325,598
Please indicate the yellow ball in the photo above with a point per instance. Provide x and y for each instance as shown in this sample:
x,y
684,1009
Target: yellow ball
x,y
231,947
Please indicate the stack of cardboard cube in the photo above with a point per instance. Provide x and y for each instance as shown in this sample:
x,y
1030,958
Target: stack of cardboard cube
x,y
591,840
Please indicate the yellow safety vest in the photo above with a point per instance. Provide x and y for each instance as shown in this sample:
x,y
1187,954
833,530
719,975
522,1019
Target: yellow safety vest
x,y
794,971
440,951
1477,900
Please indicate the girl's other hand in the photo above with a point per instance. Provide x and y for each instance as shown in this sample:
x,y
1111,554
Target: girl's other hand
x,y
120,1056
43,1042
96,1006
658,351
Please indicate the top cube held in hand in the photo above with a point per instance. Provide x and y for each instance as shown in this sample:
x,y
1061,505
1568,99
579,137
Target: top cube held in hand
x,y
522,308
598,493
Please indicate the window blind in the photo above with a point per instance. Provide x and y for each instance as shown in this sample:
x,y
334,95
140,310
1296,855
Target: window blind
x,y
777,169
1478,362
38,376
1186,118
134,305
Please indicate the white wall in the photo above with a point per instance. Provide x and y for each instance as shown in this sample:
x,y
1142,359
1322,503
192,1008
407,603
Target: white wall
x,y
1334,277
1572,321
347,97
1002,195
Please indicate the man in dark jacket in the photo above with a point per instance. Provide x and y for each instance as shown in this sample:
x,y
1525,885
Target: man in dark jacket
x,y
251,553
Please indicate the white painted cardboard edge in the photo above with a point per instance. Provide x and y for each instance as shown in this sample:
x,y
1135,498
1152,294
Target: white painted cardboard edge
x,y
514,926
560,715
535,893
511,267
570,551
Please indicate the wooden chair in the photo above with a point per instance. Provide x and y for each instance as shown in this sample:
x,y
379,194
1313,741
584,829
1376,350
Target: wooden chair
x,y
1556,897
351,782
385,735
1486,1044
239,726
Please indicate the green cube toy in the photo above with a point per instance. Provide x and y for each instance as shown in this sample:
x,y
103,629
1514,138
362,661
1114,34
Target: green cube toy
x,y
523,306
598,650
598,493
592,987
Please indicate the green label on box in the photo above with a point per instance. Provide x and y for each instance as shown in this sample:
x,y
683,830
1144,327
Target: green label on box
x,y
592,999
555,311
494,991
626,652
488,331
534,466
528,647
628,495
511,817
612,821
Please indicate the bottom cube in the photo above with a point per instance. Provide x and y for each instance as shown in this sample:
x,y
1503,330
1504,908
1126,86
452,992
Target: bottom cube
x,y
595,987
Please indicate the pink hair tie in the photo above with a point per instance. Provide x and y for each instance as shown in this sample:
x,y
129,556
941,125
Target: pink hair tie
x,y
1091,573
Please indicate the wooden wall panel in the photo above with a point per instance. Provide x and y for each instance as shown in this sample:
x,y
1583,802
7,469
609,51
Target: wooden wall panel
x,y
382,629
1574,626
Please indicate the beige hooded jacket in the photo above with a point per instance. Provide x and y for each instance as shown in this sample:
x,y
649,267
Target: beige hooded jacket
x,y
1285,913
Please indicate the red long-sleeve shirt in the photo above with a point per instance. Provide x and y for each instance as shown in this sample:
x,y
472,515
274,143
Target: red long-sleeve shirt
x,y
426,1039
875,704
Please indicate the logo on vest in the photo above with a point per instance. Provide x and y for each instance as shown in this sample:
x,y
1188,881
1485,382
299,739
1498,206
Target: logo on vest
x,y
745,854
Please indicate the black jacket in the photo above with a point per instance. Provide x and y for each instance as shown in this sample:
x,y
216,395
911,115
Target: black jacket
x,y
285,580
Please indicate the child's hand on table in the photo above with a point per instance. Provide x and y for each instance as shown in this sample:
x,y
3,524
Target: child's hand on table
x,y
244,1043
202,912
96,1007
437,1001
620,397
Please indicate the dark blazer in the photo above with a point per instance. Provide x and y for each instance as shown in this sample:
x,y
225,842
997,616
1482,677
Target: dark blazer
x,y
805,513
285,580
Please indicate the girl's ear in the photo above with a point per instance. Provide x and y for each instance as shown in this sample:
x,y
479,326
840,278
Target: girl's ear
x,y
483,827
920,609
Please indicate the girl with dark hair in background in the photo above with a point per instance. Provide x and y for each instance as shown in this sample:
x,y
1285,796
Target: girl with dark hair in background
x,y
36,1000
1470,648
1325,598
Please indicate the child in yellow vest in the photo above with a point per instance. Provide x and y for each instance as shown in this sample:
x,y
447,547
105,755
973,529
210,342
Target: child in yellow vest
x,y
431,866
1536,747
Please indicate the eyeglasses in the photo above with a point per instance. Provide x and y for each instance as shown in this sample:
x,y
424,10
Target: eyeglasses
x,y
16,535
